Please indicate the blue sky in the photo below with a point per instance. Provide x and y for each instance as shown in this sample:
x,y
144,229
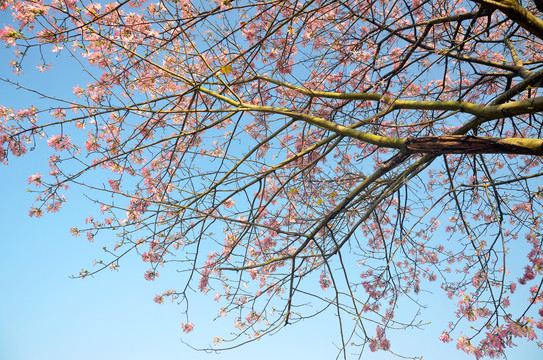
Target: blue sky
x,y
46,315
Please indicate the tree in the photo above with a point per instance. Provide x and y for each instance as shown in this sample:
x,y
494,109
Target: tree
x,y
371,147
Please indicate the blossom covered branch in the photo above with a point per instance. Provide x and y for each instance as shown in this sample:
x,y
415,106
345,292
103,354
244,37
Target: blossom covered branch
x,y
341,155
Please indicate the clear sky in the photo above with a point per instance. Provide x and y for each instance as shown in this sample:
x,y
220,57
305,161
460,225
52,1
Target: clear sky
x,y
46,315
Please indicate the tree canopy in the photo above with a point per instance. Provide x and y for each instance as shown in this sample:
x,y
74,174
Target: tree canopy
x,y
340,154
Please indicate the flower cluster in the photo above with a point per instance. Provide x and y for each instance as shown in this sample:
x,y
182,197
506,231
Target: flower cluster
x,y
35,179
188,327
150,275
59,142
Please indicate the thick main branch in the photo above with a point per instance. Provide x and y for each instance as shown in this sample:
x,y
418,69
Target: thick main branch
x,y
444,144
465,144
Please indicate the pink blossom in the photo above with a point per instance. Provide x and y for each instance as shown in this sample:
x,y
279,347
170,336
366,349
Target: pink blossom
x,y
59,142
373,345
93,9
35,179
9,35
513,287
43,67
29,114
35,212
229,203
204,281
17,148
465,345
59,114
150,275
114,184
78,91
83,273
54,207
91,144
188,327
325,281
445,337
384,344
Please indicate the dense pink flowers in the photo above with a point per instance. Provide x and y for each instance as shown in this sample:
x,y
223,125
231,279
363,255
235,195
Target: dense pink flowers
x,y
17,148
380,342
528,275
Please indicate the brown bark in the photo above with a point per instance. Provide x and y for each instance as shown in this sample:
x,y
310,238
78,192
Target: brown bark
x,y
467,144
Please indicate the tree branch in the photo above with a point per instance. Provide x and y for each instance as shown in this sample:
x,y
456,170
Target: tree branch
x,y
517,13
458,144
